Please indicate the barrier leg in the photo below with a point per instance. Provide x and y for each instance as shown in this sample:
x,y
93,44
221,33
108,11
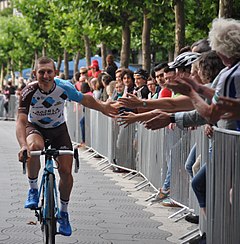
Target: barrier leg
x,y
148,183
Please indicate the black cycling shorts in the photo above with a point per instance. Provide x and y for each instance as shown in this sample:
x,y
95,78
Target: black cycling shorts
x,y
58,137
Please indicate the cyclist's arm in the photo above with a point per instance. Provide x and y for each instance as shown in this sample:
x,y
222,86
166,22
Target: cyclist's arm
x,y
104,107
21,129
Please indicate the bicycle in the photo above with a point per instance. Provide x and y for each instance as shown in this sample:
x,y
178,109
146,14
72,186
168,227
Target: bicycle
x,y
48,212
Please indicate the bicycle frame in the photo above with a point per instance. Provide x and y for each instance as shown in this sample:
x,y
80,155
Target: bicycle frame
x,y
48,212
44,189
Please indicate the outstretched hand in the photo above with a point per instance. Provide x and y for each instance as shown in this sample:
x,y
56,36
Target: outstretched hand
x,y
160,121
126,118
109,108
131,101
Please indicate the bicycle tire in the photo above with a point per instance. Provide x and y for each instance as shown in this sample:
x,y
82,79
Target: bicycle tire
x,y
49,227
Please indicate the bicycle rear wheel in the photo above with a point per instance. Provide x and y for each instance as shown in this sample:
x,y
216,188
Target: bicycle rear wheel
x,y
49,228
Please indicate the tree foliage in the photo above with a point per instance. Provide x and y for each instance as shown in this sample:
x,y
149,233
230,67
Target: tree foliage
x,y
59,25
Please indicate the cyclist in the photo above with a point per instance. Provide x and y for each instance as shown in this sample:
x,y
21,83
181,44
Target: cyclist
x,y
40,117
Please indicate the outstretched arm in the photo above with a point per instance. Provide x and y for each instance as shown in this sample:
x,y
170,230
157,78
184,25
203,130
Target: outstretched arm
x,y
184,85
106,108
180,103
160,121
128,118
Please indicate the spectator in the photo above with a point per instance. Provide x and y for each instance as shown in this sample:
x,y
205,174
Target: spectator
x,y
94,88
141,89
8,90
94,69
119,88
118,79
127,78
76,81
110,89
21,83
106,79
159,73
85,89
111,67
153,89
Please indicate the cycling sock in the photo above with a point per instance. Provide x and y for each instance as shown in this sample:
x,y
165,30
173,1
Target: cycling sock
x,y
63,205
33,183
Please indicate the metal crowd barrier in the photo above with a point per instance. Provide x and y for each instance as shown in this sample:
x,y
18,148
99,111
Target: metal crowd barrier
x,y
73,114
223,173
12,107
109,140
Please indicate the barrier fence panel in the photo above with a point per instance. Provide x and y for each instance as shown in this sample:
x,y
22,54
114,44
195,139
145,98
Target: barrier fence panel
x,y
12,107
2,112
125,154
180,149
99,132
151,157
223,218
88,126
73,114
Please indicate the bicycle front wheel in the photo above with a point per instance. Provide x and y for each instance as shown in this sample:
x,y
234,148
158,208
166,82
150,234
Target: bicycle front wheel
x,y
49,227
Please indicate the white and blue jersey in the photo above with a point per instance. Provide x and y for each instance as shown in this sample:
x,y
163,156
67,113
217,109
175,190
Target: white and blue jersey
x,y
47,109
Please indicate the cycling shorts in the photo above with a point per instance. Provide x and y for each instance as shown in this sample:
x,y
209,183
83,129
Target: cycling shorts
x,y
58,136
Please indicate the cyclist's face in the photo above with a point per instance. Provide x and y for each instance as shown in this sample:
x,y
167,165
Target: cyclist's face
x,y
45,73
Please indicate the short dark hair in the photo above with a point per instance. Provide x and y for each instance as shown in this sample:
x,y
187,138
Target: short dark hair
x,y
160,66
143,73
127,72
44,60
167,69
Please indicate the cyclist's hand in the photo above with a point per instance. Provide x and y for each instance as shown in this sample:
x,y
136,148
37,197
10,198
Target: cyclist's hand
x,y
21,153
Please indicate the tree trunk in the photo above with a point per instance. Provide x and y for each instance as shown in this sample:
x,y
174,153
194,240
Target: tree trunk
x,y
66,67
180,26
87,50
35,59
170,55
20,68
2,77
44,51
146,50
59,62
76,62
125,50
103,55
225,9
12,71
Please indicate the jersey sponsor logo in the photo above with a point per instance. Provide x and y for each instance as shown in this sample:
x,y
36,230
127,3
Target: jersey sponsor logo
x,y
47,112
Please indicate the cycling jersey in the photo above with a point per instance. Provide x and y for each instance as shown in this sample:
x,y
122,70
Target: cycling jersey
x,y
47,109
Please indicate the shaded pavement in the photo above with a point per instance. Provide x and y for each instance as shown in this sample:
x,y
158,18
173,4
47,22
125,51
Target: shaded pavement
x,y
104,207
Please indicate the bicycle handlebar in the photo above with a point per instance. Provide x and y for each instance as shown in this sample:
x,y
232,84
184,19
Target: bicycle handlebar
x,y
50,152
56,153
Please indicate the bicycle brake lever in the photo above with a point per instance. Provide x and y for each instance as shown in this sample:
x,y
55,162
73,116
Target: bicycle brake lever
x,y
24,161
